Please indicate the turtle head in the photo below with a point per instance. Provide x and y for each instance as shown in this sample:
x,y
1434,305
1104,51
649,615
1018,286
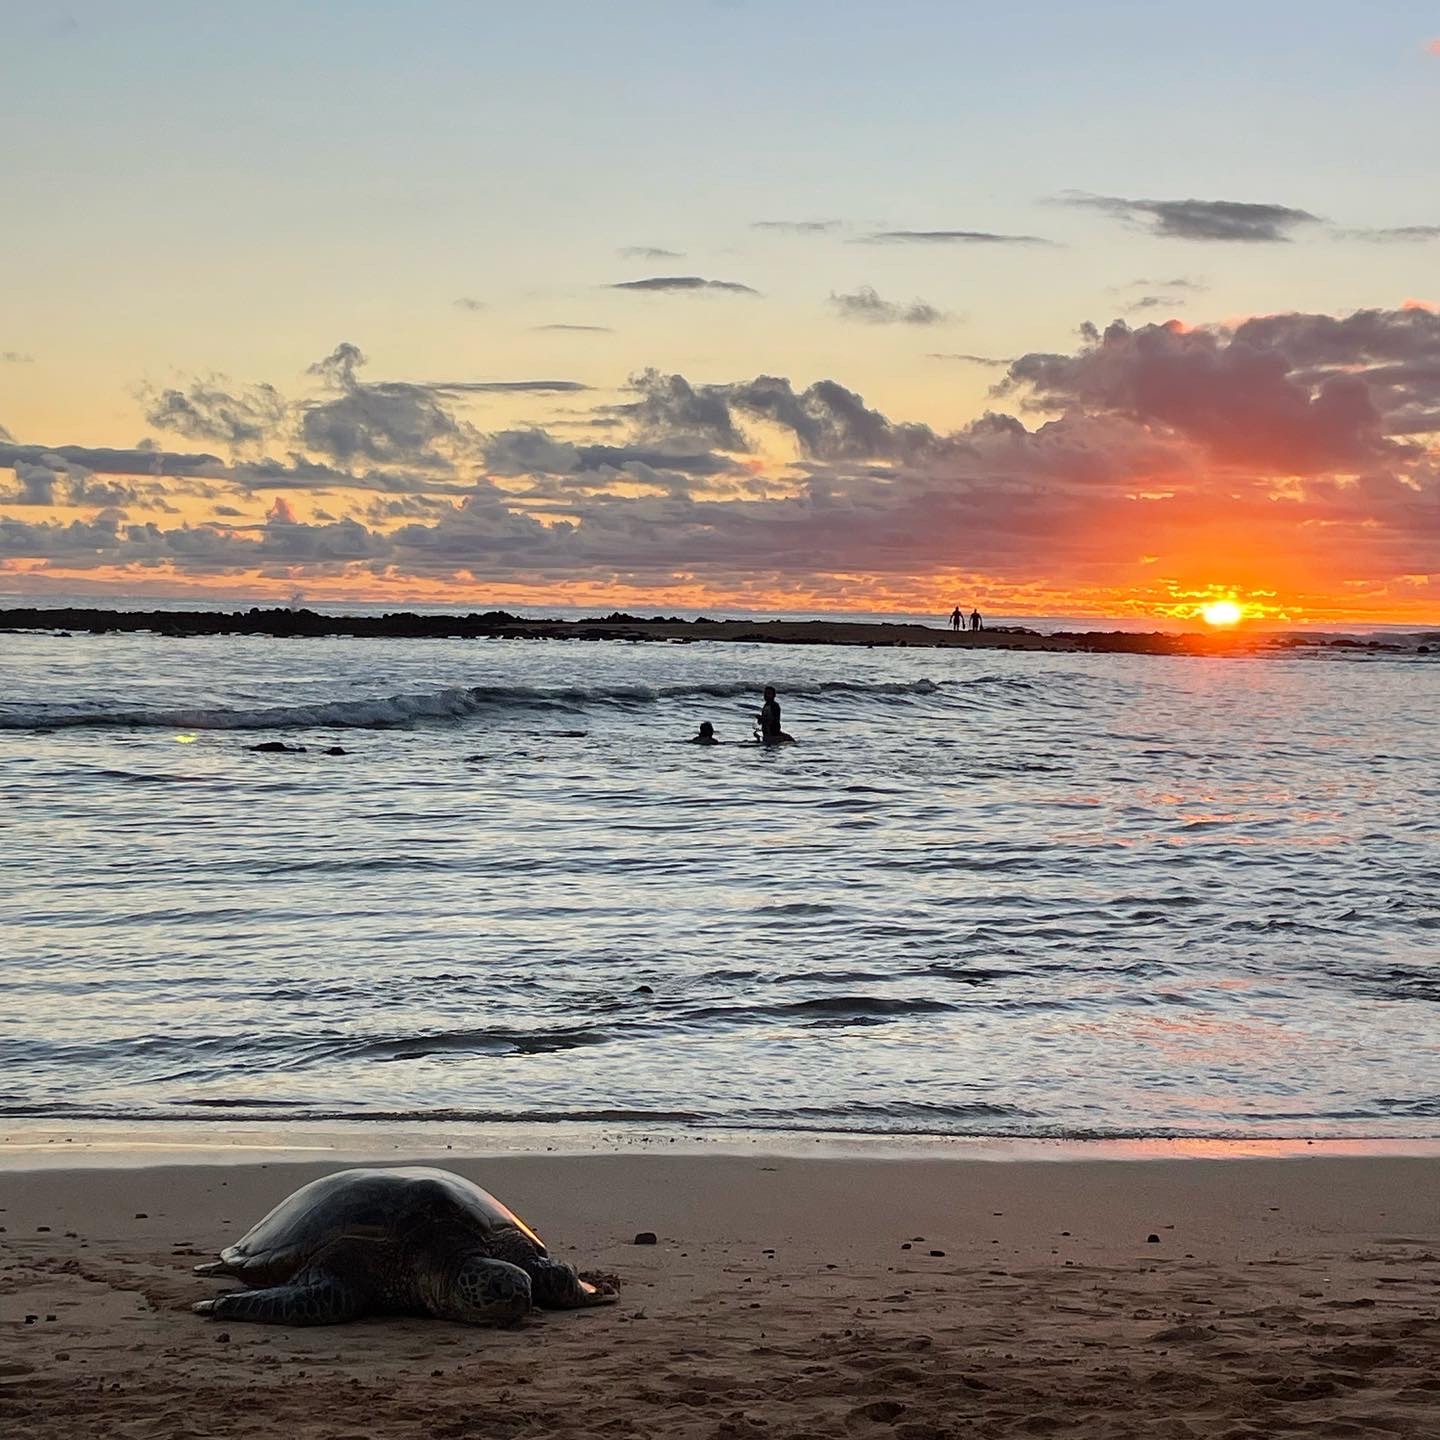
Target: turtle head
x,y
556,1286
483,1291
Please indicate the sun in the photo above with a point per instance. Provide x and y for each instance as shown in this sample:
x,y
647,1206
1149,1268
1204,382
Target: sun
x,y
1222,612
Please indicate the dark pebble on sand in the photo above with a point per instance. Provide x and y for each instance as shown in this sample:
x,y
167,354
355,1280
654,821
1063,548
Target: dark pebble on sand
x,y
647,1237
42,1229
1152,1239
49,1319
141,1215
62,1354
905,1245
223,1338
939,1254
31,1319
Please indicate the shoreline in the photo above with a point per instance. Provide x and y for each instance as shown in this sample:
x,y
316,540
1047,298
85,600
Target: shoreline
x,y
785,1297
40,1144
280,623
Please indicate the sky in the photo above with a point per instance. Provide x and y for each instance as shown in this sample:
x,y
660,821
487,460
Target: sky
x,y
1103,309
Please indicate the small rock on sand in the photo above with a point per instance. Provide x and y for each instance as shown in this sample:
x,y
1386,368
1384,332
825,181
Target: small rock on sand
x,y
647,1237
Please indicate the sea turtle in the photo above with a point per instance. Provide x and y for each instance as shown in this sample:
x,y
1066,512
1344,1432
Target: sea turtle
x,y
400,1242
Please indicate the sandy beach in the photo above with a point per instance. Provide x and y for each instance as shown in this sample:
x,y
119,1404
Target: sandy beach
x,y
787,1297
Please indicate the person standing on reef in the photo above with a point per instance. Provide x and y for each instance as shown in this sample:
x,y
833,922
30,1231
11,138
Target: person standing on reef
x,y
955,618
975,623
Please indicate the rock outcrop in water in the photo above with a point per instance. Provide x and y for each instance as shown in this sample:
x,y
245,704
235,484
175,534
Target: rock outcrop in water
x,y
502,624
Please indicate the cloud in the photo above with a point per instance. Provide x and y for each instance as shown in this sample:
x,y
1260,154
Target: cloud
x,y
963,358
683,282
1280,449
15,357
798,227
1395,234
1211,220
576,329
209,412
1291,394
866,306
503,387
140,460
390,422
1179,282
948,237
466,302
1433,47
37,483
650,252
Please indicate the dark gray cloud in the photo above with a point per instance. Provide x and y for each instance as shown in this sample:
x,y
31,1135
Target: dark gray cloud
x,y
949,237
467,302
36,482
389,422
799,227
672,410
576,329
209,411
141,460
965,359
866,306
650,252
683,282
1293,394
1217,220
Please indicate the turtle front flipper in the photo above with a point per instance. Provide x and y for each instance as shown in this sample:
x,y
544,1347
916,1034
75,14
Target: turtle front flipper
x,y
314,1297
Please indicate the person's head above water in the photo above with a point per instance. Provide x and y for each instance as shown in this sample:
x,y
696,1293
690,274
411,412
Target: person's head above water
x,y
707,730
769,692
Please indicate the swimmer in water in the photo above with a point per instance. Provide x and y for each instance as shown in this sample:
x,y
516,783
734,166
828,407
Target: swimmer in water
x,y
770,731
706,735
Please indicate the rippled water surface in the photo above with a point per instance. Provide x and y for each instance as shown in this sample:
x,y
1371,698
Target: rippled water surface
x,y
986,892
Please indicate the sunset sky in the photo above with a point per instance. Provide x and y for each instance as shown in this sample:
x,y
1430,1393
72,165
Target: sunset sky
x,y
1101,309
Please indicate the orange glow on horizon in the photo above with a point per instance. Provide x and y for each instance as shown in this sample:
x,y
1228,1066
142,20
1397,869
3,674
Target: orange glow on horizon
x,y
1166,601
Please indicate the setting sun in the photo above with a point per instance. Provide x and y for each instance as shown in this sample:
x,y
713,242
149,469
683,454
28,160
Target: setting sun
x,y
1221,612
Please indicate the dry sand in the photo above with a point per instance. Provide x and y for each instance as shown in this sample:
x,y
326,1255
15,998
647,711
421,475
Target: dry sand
x,y
1284,1297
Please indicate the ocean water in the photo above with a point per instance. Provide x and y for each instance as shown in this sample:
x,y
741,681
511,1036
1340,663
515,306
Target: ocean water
x,y
986,892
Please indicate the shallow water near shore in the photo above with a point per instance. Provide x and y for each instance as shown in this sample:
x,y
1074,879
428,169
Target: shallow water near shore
x,y
987,894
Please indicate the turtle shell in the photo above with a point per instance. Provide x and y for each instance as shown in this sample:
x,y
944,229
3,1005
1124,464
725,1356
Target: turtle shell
x,y
402,1207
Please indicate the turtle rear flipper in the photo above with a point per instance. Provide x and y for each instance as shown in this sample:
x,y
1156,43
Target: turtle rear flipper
x,y
315,1297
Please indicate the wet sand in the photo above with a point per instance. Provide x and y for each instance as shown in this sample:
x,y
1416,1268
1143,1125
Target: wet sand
x,y
1280,1297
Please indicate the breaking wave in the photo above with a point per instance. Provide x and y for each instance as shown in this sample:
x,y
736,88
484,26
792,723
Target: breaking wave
x,y
459,703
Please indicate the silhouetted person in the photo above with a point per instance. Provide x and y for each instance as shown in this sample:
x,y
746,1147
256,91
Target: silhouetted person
x,y
955,618
706,735
975,623
770,731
